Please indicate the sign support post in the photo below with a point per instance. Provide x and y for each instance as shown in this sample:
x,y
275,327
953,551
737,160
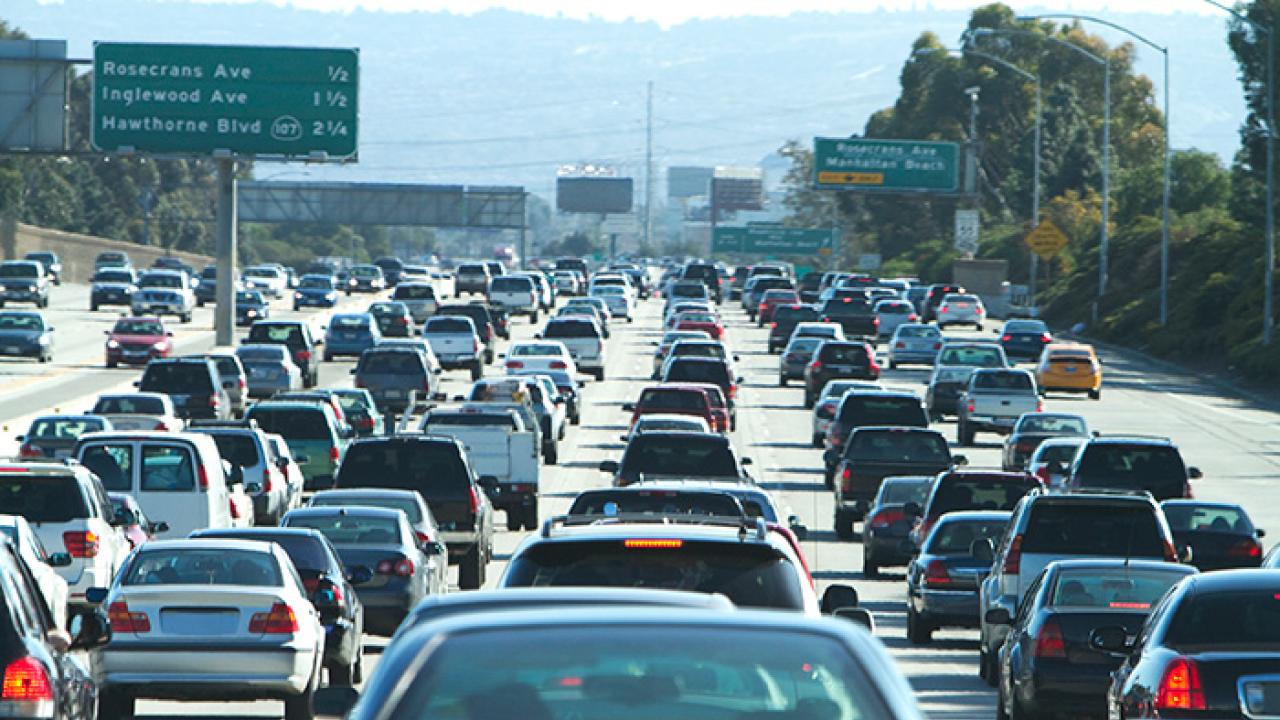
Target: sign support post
x,y
224,311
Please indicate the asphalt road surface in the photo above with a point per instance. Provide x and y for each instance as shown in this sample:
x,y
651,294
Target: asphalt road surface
x,y
1232,439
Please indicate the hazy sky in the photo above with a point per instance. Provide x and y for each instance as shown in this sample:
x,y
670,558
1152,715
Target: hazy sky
x,y
670,12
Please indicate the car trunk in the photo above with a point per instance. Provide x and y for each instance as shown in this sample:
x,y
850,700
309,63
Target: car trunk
x,y
370,556
197,612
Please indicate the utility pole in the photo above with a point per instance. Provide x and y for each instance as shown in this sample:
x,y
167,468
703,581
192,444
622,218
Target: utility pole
x,y
648,167
224,310
971,161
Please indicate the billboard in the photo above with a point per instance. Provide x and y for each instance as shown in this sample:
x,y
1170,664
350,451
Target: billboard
x,y
597,195
688,181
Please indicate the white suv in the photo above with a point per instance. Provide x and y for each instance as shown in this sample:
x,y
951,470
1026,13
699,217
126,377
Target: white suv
x,y
69,511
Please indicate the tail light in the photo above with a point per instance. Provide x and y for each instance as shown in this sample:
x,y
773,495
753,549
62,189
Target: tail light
x,y
514,364
474,501
936,575
913,317
279,620
25,680
400,567
268,475
1039,406
1046,338
1050,643
970,407
886,518
875,322
1247,548
773,325
364,422
1180,687
763,306
422,537
333,455
942,310
475,345
1006,337
303,355
402,321
846,479
900,345
358,382
122,620
816,365
242,385
981,311
30,451
214,402
161,427
558,365
233,508
81,543
1013,559
202,476
937,346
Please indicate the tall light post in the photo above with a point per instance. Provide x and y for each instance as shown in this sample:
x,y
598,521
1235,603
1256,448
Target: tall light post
x,y
1035,184
1168,154
1104,240
1268,320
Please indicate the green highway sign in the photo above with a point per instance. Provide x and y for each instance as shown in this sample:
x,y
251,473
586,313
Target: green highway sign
x,y
885,165
771,240
246,100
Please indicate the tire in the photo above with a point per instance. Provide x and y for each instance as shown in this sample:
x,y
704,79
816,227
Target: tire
x,y
576,419
357,672
986,668
918,631
964,436
186,318
341,675
1095,394
115,704
477,370
199,302
93,307
488,356
869,567
598,375
328,356
829,478
816,440
45,358
513,520
552,456
533,319
808,399
844,525
893,364
312,380
530,517
782,381
302,706
471,569
111,364
1015,711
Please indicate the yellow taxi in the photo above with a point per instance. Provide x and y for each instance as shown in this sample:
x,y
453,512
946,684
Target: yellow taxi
x,y
1070,367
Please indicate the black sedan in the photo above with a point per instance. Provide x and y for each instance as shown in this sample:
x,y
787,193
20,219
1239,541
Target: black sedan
x,y
332,593
888,522
1220,535
1033,429
1047,664
26,334
1210,650
1024,339
943,580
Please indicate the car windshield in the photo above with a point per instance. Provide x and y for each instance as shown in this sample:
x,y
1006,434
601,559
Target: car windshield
x,y
894,446
350,528
203,566
113,276
161,280
315,283
387,308
1189,517
250,298
1114,529
19,270
293,423
751,575
63,428
679,456
1227,619
261,273
129,405
969,356
30,323
55,499
1116,589
955,537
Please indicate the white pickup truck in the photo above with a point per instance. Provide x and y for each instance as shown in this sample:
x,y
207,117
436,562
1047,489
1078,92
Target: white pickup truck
x,y
994,400
498,445
454,342
585,341
515,295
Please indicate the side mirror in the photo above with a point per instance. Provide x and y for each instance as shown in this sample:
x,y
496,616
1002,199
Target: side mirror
x,y
1194,473
95,595
459,398
352,371
489,484
253,488
137,383
359,575
628,407
58,559
838,596
1260,532
798,528
228,384
609,466
1112,639
624,438
862,616
438,371
959,460
159,527
51,328
737,358
982,549
439,396
89,629
1185,554
912,509
739,380
747,461
998,616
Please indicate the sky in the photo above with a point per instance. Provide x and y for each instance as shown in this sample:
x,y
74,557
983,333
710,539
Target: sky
x,y
673,12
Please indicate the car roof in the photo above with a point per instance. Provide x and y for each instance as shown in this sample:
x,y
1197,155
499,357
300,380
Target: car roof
x,y
1131,440
1192,502
1108,563
388,493
975,516
1231,580
356,510
678,436
206,543
231,533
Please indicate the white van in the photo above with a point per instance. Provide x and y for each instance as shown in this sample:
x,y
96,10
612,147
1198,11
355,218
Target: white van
x,y
176,477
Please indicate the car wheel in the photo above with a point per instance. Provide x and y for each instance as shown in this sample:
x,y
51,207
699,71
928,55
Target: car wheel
x,y
552,456
328,356
918,631
844,525
186,318
93,307
488,356
964,436
115,704
471,569
829,478
531,517
1095,394
341,675
303,706
808,399
533,319
893,364
598,375
45,358
477,370
782,381
816,440
111,364
513,520
987,667
869,567
1001,712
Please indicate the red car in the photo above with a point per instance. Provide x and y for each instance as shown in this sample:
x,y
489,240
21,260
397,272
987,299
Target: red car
x,y
136,340
705,322
137,527
718,404
672,399
770,301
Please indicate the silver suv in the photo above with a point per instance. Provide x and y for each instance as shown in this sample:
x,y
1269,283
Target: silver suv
x,y
1045,528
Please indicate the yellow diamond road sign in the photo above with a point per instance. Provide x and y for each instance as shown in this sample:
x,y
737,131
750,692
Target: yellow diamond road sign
x,y
1046,240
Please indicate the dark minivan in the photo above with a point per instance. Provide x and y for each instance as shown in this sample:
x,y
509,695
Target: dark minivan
x,y
875,453
1133,464
436,468
192,383
868,408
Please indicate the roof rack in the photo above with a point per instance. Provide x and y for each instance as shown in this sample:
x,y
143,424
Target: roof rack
x,y
1132,436
746,526
727,479
249,423
1115,492
10,460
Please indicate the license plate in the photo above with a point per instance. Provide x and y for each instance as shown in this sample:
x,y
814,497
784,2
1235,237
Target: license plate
x,y
1071,368
135,353
1260,697
393,394
259,373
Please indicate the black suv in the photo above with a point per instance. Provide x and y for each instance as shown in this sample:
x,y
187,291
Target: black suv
x,y
330,591
392,269
1132,464
869,408
682,454
708,275
836,360
785,320
193,383
437,469
296,335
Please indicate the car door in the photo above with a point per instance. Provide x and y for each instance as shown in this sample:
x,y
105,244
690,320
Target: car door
x,y
168,487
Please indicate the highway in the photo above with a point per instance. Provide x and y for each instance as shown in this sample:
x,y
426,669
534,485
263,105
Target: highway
x,y
1232,439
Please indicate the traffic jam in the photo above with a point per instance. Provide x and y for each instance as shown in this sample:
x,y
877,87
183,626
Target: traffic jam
x,y
487,492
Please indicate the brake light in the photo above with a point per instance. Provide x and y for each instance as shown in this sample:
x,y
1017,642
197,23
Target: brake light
x,y
970,407
942,309
815,365
1006,337
333,455
364,422
81,543
122,620
763,305
161,427
875,321
846,479
913,317
900,345
937,346
558,365
514,364
400,567
1050,644
1039,406
474,501
30,451
267,477
885,518
203,476
279,620
653,544
773,325
303,355
1013,558
935,575
214,402
422,537
1247,548
235,511
242,385
1046,338
25,680
1180,687
402,321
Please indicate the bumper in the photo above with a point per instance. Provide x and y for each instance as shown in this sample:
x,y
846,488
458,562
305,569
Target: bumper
x,y
315,301
992,423
515,496
198,671
1070,382
913,356
21,296
454,362
886,549
24,350
954,608
111,298
132,358
1059,686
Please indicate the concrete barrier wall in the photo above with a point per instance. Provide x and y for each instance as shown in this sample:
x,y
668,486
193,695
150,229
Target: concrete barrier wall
x,y
78,252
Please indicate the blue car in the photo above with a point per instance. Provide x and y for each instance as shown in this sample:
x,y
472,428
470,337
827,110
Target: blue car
x,y
26,334
350,334
207,286
251,307
315,291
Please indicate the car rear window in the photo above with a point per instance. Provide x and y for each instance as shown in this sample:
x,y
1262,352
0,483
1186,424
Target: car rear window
x,y
1243,618
679,456
507,283
391,363
750,575
410,508
795,314
1207,518
414,292
919,331
307,553
63,428
672,399
982,357
1004,381
113,276
955,537
1110,529
280,334
697,371
201,566
190,378
42,500
1041,423
349,322
261,354
450,325
890,446
655,502
434,469
351,528
227,366
468,419
238,449
867,410
1120,466
846,307
901,493
841,353
138,327
978,493
1116,590
301,423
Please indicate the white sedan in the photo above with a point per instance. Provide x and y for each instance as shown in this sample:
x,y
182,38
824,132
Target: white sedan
x,y
527,358
617,298
209,620
42,564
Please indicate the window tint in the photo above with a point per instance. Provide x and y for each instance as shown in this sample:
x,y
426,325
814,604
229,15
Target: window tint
x,y
983,357
113,276
679,456
434,469
112,463
293,423
308,554
1210,518
16,321
415,292
1225,619
506,283
63,428
182,378
280,334
189,566
19,270
954,538
1041,423
1089,529
466,419
238,449
664,399
920,331
843,354
899,447
901,493
391,363
167,468
976,493
44,500
1101,588
411,509
351,529
450,325
697,371
1003,381
866,410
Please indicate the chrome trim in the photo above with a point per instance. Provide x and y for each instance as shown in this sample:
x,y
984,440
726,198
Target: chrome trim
x,y
1240,694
